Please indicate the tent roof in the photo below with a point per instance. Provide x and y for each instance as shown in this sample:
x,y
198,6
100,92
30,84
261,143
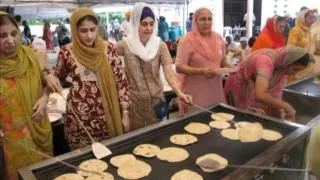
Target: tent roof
x,y
59,8
86,2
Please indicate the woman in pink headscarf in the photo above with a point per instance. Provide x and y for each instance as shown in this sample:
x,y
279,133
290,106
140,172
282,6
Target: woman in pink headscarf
x,y
200,53
259,82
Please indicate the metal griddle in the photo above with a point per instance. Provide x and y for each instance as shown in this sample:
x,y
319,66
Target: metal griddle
x,y
304,96
305,86
213,142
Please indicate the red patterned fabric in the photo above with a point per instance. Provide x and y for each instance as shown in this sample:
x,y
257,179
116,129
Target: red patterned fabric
x,y
85,96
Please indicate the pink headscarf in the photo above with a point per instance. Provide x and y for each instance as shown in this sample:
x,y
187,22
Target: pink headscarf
x,y
209,47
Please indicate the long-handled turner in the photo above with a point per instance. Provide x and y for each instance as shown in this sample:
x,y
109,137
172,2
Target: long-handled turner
x,y
216,166
99,150
56,159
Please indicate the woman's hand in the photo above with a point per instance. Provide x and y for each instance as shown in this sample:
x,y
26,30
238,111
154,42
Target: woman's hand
x,y
53,83
125,121
209,72
39,108
289,112
186,98
1,134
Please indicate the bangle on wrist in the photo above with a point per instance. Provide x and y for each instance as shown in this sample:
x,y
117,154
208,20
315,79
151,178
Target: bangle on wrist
x,y
125,111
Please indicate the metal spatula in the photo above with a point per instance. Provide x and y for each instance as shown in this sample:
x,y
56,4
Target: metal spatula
x,y
56,159
99,150
216,166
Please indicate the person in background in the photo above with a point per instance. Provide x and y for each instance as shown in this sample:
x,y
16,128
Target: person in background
x,y
26,35
99,88
144,53
287,28
200,53
163,29
102,30
48,36
24,39
233,52
245,19
315,44
125,26
272,35
245,50
189,23
293,22
260,80
251,41
116,29
18,20
39,46
62,32
300,36
23,98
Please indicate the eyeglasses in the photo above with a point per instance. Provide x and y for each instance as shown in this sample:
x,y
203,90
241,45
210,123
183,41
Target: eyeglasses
x,y
205,19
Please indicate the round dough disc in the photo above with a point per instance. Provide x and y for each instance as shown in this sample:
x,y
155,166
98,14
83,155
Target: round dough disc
x,y
106,176
222,161
271,135
250,133
316,81
197,128
172,154
92,165
241,123
146,150
183,139
219,124
230,134
134,169
221,116
186,174
116,161
69,176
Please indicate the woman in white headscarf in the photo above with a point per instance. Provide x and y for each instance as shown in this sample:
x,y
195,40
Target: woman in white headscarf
x,y
143,54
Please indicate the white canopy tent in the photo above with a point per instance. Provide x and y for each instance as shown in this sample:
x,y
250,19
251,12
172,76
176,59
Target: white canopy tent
x,y
43,9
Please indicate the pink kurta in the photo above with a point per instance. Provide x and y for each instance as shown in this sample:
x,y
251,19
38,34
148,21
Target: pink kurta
x,y
242,84
204,91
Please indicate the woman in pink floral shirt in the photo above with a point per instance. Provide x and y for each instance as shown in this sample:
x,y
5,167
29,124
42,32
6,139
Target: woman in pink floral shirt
x,y
93,83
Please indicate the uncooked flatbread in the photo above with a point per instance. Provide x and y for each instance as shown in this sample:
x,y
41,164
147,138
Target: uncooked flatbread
x,y
219,124
146,150
69,176
231,134
92,165
316,81
241,123
134,169
118,160
221,116
221,160
172,154
186,174
250,133
271,135
105,176
197,128
183,139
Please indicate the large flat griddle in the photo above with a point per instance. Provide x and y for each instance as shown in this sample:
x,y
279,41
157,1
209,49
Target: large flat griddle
x,y
259,153
304,96
306,87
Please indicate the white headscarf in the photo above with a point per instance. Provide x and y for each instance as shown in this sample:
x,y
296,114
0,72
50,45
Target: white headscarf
x,y
148,52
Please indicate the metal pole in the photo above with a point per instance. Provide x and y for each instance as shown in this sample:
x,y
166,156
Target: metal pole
x,y
249,17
